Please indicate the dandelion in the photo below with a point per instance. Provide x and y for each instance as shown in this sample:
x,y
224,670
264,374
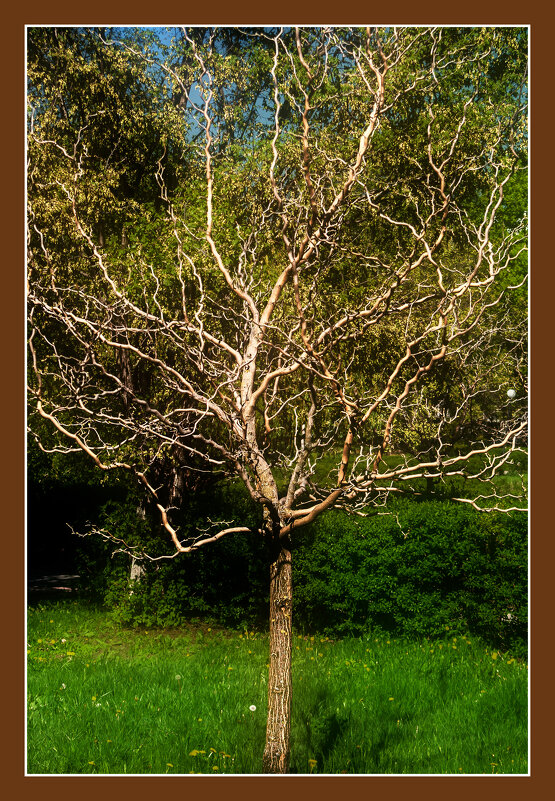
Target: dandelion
x,y
312,764
178,677
169,765
252,708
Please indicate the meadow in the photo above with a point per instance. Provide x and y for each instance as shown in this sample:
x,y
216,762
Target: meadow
x,y
109,699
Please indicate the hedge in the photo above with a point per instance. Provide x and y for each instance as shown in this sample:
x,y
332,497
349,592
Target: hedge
x,y
429,568
424,570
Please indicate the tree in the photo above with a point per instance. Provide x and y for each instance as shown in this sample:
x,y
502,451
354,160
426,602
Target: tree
x,y
322,279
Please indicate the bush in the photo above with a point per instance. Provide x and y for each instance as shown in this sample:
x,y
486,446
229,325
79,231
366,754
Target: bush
x,y
428,568
226,582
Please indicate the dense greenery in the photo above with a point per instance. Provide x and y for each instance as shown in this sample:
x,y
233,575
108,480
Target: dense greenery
x,y
117,162
105,699
425,568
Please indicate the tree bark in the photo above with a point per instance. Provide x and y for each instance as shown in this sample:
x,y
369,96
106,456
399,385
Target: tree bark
x,y
137,571
277,750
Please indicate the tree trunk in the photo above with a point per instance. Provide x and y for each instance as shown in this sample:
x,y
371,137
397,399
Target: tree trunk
x,y
136,574
137,570
276,752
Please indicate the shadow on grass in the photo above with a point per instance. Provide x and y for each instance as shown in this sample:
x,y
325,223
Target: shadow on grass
x,y
317,731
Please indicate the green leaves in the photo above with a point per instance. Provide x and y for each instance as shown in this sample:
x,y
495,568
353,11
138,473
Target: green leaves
x,y
236,235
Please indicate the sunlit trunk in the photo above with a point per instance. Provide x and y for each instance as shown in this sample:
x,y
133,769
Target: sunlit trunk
x,y
276,752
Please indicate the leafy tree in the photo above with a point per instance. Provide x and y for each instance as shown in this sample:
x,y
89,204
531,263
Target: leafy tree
x,y
315,302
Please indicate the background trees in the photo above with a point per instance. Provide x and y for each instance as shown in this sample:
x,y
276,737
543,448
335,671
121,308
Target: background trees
x,y
277,256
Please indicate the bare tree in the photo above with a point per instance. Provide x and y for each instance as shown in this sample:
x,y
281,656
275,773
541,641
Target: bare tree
x,y
337,288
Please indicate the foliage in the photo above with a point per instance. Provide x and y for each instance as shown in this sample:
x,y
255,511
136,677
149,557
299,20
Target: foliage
x,y
230,587
425,569
428,568
199,207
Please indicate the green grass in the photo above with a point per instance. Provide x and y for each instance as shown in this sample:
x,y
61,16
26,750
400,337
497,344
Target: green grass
x,y
102,699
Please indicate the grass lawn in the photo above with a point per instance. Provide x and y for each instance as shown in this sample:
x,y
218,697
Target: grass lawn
x,y
102,699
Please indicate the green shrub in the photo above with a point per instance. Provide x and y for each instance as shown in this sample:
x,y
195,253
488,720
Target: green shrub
x,y
426,569
226,581
429,568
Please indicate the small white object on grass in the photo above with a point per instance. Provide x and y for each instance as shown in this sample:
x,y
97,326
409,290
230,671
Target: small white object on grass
x,y
511,393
